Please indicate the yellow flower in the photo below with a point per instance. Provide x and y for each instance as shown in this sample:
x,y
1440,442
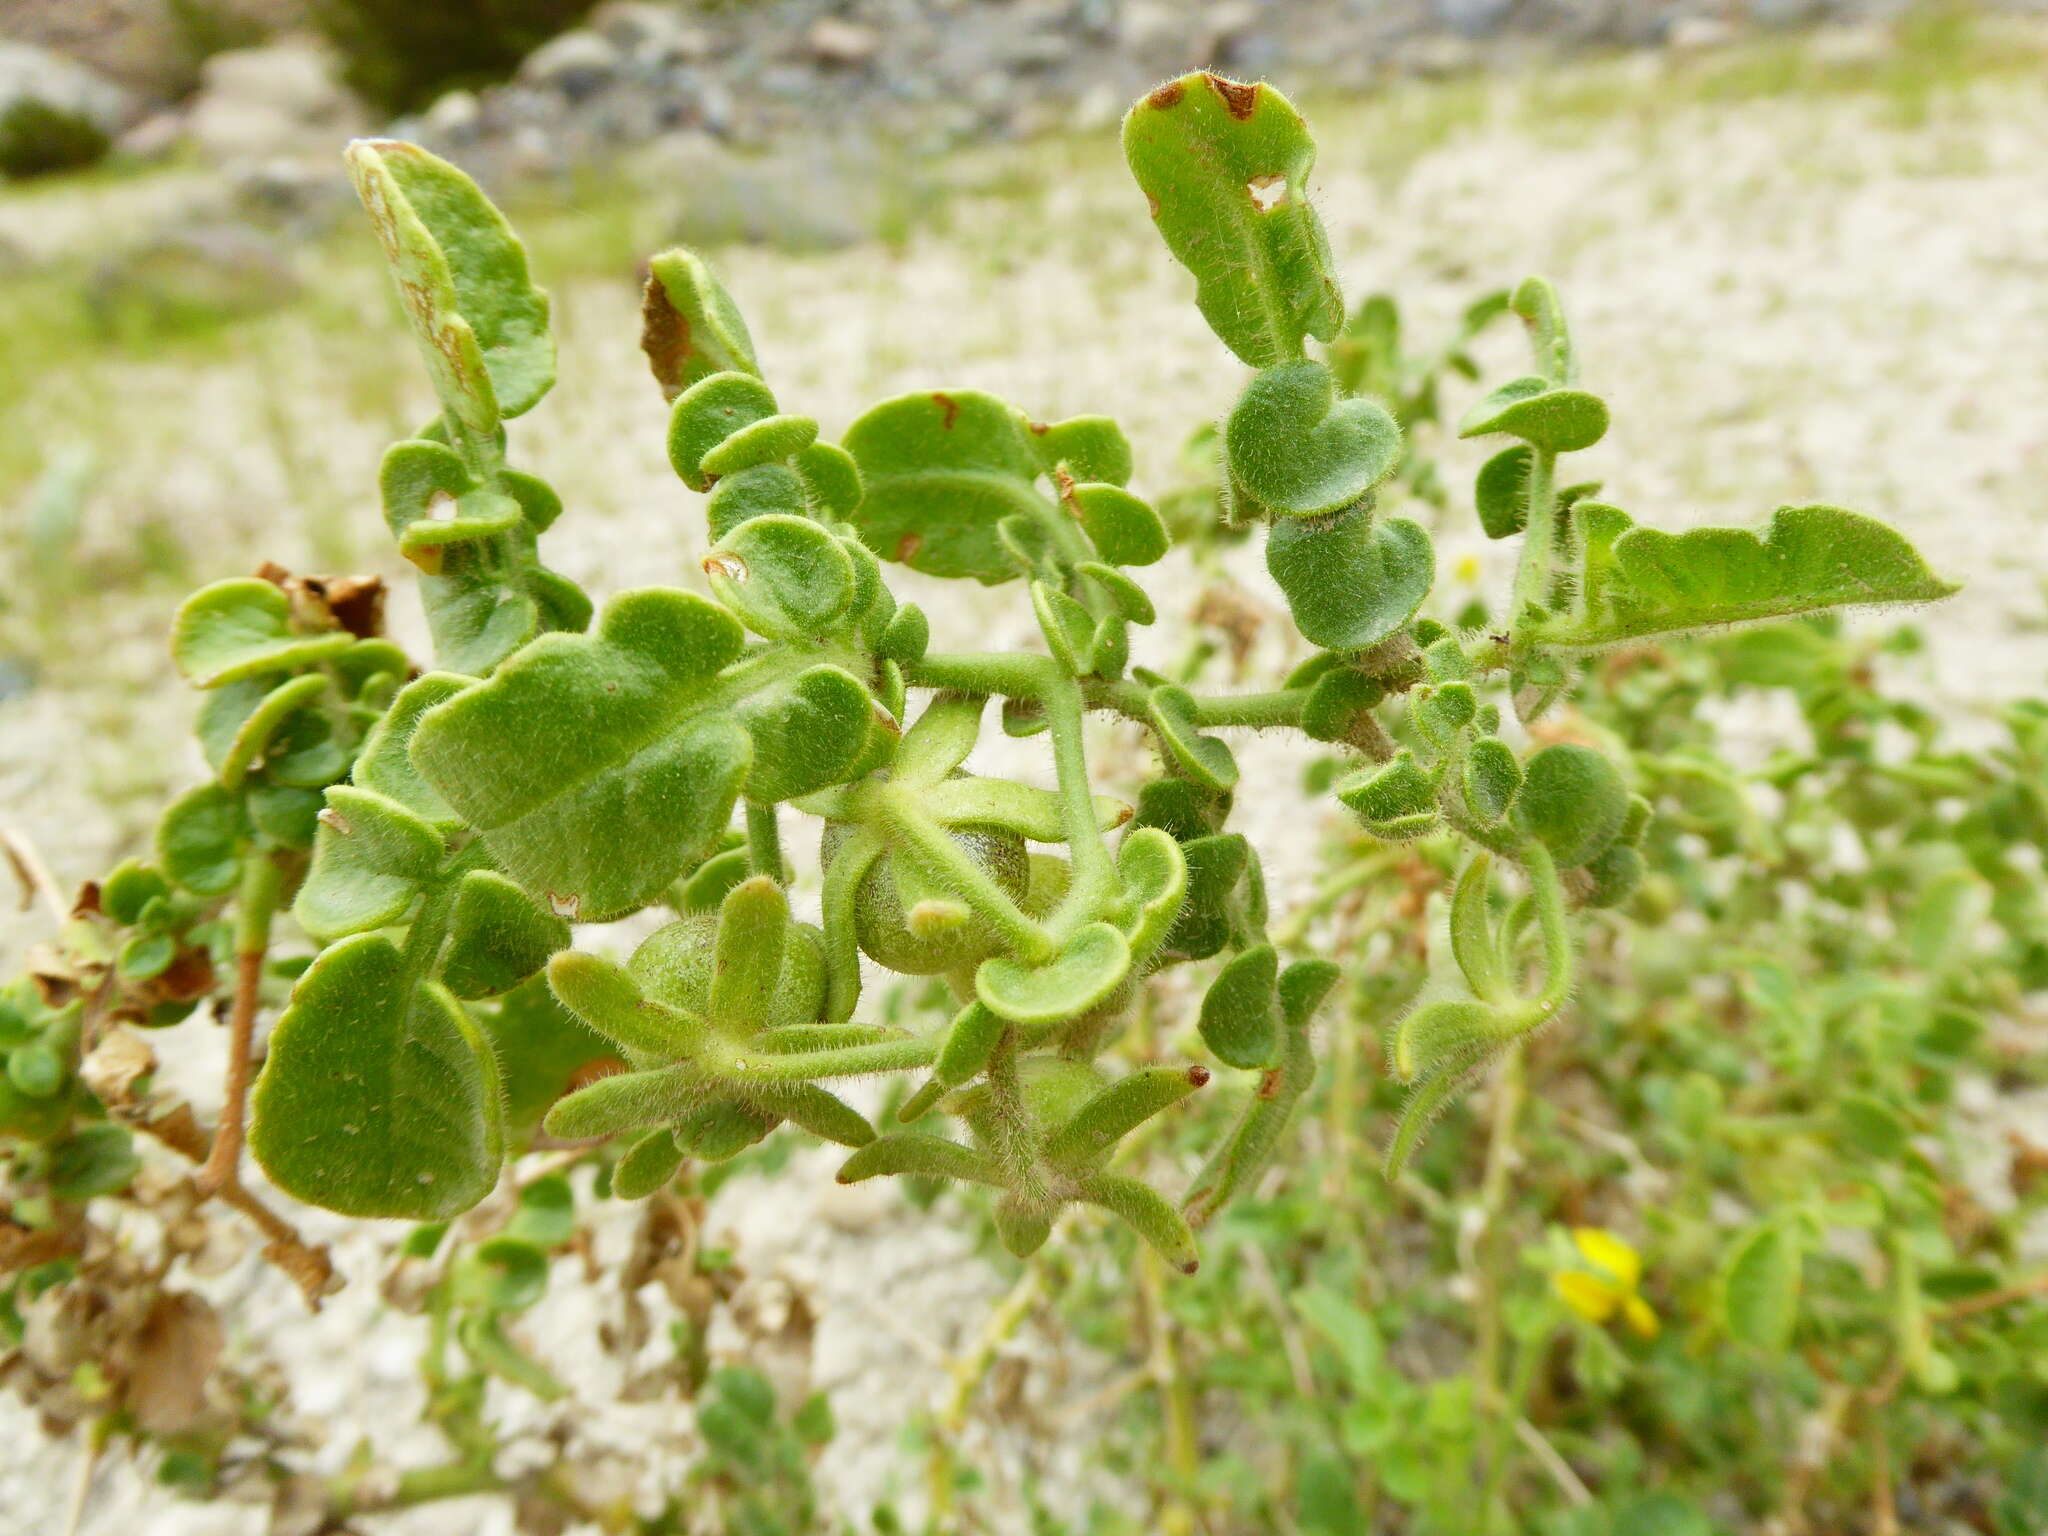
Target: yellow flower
x,y
1467,569
1610,1286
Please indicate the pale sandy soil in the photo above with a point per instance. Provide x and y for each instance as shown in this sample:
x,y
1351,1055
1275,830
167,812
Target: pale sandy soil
x,y
1786,300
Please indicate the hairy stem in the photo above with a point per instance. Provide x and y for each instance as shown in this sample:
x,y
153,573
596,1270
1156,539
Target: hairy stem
x,y
967,879
1495,1403
1537,567
1094,869
764,841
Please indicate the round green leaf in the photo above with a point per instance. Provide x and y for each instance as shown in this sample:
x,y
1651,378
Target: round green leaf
x,y
1293,448
1350,581
1573,801
1088,967
786,577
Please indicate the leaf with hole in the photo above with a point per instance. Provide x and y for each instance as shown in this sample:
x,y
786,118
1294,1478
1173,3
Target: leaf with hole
x,y
1225,167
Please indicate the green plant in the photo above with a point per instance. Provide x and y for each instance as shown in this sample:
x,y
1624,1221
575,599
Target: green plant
x,y
37,139
401,856
401,56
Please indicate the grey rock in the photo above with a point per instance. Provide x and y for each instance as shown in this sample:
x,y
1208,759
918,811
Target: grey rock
x,y
1787,13
577,64
282,99
832,40
1474,18
652,33
454,119
154,138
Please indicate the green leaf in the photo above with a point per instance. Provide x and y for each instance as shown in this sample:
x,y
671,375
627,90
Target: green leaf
x,y
1472,940
497,936
942,471
371,860
1154,872
1760,1287
1573,801
1492,779
914,1152
239,720
786,577
1088,967
1536,304
1453,1032
1069,628
1123,529
706,414
647,1166
385,764
93,1160
1146,1212
1209,917
1240,1018
1549,419
1089,447
1350,581
242,628
609,999
379,1098
462,277
541,1048
810,732
476,546
1205,759
583,762
1087,1140
768,441
1395,801
200,840
1339,704
1808,558
689,326
1225,168
1293,448
1501,493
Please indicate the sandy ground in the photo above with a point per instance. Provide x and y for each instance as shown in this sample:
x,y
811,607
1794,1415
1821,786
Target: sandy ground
x,y
1785,300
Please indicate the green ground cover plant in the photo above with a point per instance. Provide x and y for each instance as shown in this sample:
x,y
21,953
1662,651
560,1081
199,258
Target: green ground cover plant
x,y
397,864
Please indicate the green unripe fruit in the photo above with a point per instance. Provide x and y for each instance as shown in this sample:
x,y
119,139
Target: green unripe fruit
x,y
891,928
36,1070
1573,801
675,966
